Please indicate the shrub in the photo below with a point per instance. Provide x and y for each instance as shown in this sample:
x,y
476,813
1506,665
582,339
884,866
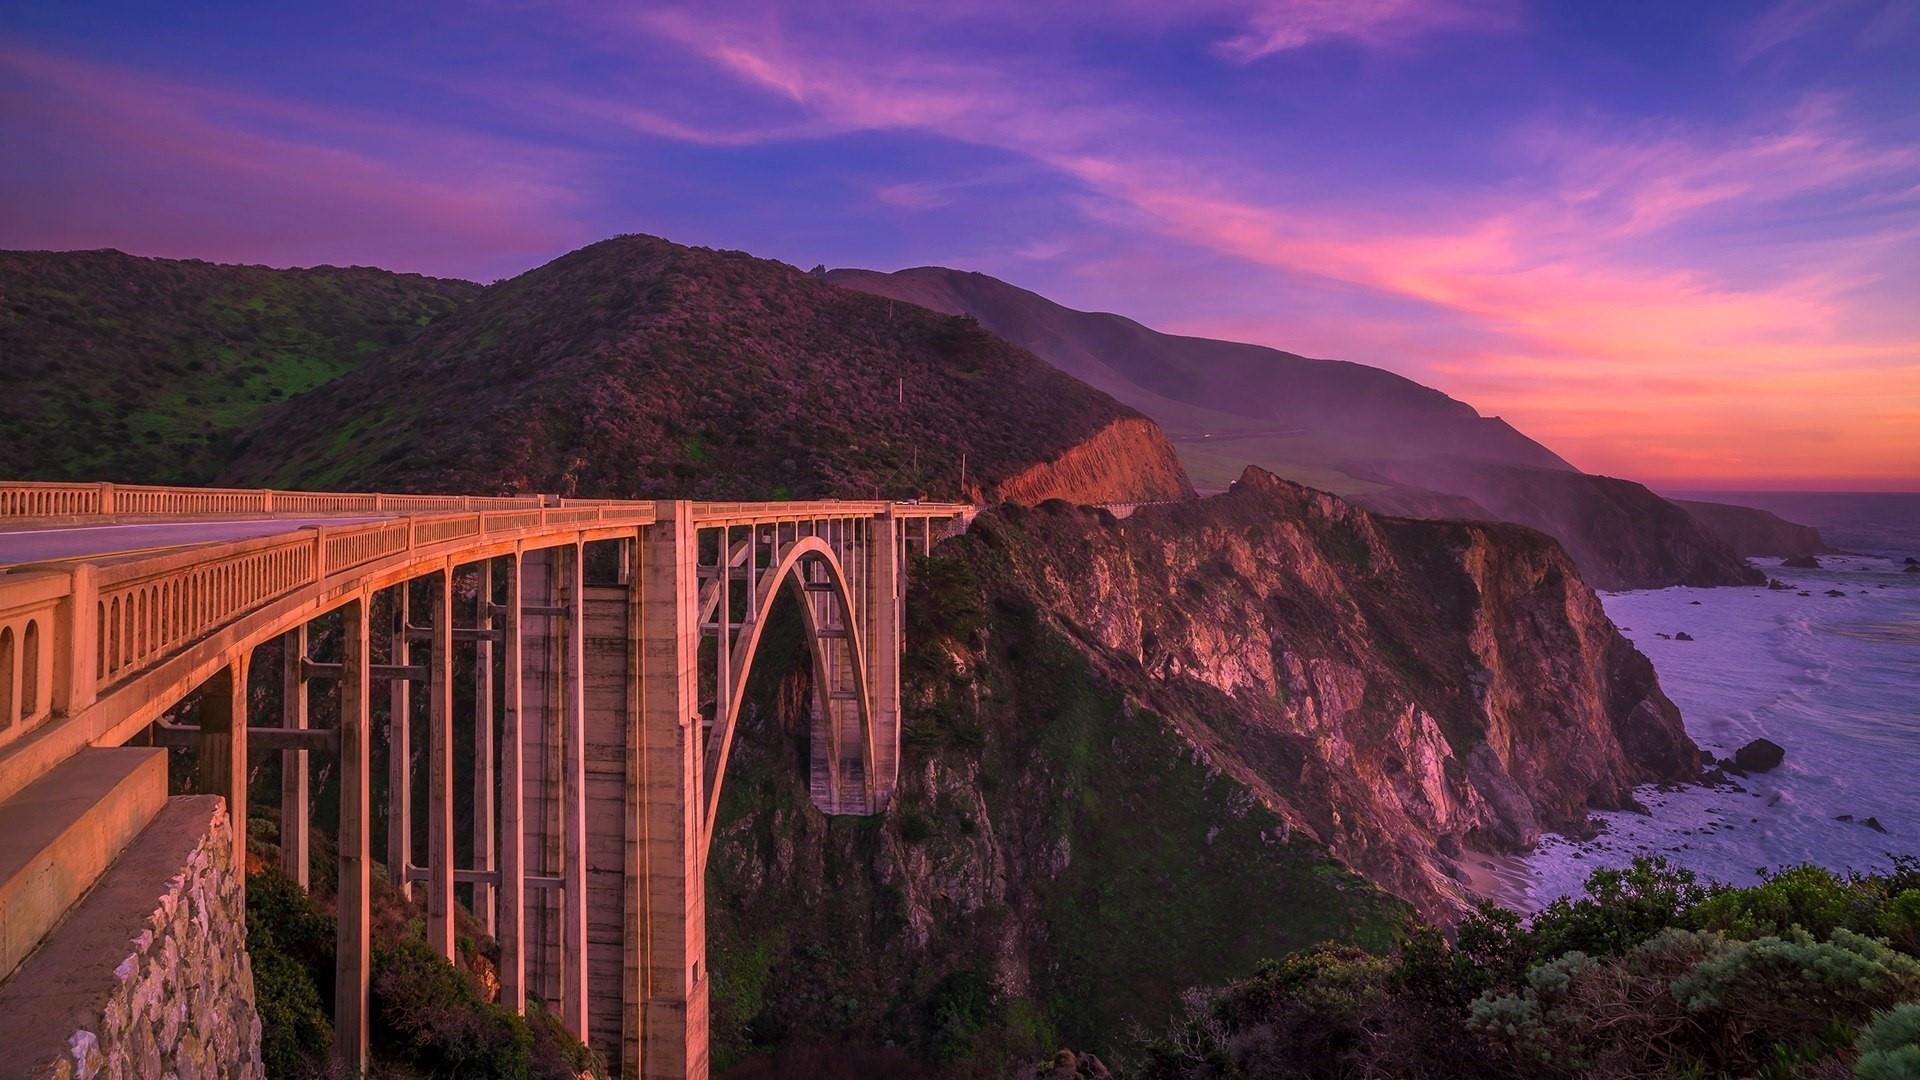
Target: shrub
x,y
1890,1045
1809,897
1622,908
430,1013
290,944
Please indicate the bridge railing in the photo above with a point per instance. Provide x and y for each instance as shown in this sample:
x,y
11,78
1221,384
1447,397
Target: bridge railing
x,y
68,632
25,500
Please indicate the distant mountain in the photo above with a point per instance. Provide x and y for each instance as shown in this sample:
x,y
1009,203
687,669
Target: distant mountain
x,y
637,367
134,369
1752,531
1374,437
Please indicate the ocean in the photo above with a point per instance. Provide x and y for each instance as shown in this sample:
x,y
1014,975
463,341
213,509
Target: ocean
x,y
1833,679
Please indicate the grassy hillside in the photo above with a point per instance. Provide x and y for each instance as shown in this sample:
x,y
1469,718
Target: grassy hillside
x,y
141,370
636,367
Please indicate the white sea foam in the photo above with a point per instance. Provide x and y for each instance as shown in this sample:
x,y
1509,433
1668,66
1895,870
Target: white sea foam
x,y
1834,679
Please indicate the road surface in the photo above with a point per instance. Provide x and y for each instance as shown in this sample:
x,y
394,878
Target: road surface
x,y
82,542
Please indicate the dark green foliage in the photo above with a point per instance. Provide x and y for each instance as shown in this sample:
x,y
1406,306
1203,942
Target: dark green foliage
x,y
637,368
142,370
1621,909
291,943
1890,1045
428,1013
1657,995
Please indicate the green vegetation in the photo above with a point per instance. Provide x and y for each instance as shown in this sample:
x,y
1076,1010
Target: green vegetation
x,y
145,370
429,1017
1649,974
635,368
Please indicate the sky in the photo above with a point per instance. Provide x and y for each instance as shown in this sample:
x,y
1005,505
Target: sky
x,y
1678,242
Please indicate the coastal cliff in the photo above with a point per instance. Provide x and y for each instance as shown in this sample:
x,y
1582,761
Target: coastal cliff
x,y
1143,752
1750,531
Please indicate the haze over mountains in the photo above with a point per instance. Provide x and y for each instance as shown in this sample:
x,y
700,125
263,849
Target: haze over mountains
x,y
1374,437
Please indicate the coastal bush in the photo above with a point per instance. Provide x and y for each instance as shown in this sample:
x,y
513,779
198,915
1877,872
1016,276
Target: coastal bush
x,y
1890,1045
430,1013
1809,897
1672,978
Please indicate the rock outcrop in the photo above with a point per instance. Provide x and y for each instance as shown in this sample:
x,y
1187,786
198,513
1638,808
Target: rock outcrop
x,y
1127,461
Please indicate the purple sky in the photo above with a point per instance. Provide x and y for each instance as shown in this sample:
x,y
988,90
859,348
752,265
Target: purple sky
x,y
1675,241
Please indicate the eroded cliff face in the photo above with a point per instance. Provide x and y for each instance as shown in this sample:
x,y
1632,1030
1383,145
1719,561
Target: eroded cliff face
x,y
1128,460
1145,753
1396,689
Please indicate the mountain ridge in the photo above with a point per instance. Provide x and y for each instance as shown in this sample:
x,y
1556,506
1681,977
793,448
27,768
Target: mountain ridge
x,y
1364,433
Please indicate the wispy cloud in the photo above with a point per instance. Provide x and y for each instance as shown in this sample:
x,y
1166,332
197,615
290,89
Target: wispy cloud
x,y
1588,261
1282,25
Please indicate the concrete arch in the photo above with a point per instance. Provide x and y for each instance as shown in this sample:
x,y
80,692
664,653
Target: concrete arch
x,y
790,573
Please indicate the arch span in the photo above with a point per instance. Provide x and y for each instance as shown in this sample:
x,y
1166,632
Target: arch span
x,y
793,573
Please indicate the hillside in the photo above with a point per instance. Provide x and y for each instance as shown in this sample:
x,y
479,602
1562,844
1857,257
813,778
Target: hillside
x,y
1145,748
1366,434
636,367
1752,531
141,370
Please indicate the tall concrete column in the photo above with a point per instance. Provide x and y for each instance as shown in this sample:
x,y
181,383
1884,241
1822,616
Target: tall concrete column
x,y
671,870
440,929
511,928
353,933
400,752
573,989
882,639
294,810
483,752
223,749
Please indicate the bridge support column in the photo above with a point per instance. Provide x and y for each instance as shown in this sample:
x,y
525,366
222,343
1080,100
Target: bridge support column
x,y
294,810
353,934
573,813
400,753
440,929
883,639
671,948
512,925
483,751
223,749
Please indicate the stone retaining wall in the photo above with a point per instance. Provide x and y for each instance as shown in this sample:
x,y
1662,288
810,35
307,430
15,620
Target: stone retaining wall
x,y
149,975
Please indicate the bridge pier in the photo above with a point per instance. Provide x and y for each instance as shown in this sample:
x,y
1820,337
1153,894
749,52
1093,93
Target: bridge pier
x,y
353,944
671,946
222,765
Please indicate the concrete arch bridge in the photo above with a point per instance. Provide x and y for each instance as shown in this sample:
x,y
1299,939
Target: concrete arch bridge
x,y
602,651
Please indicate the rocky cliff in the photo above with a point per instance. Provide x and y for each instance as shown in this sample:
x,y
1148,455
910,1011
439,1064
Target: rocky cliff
x,y
1750,531
1129,460
1141,749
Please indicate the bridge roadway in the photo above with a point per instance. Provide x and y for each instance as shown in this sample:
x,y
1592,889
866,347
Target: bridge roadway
x,y
609,645
72,543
